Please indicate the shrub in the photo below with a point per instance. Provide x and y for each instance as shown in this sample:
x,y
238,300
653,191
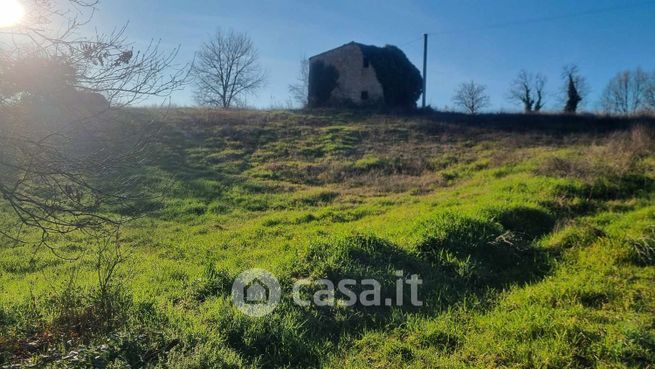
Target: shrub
x,y
74,327
88,312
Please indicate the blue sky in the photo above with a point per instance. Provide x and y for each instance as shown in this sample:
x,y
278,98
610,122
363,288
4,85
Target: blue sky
x,y
482,40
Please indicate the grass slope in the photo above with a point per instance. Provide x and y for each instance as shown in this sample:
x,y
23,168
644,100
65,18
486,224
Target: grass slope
x,y
535,238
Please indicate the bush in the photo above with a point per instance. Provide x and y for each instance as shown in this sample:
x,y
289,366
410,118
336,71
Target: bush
x,y
74,327
82,312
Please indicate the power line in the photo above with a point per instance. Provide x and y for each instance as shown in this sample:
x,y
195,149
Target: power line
x,y
532,21
512,24
546,19
411,42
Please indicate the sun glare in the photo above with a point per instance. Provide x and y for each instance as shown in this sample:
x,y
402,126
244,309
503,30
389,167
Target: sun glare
x,y
11,13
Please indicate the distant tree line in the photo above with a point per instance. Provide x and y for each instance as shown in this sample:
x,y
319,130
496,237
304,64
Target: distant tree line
x,y
629,92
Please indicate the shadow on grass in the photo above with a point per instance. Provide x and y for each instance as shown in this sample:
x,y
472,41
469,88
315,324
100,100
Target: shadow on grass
x,y
456,257
552,124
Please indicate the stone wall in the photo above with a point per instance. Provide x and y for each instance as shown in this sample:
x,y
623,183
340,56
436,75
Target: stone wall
x,y
354,78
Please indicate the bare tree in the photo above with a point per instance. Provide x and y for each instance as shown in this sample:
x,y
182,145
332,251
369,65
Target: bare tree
x,y
540,85
59,174
105,63
529,90
226,70
575,88
626,93
471,97
650,93
300,90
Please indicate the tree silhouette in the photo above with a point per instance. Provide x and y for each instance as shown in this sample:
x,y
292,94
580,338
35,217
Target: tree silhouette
x,y
471,97
575,88
226,70
528,90
627,93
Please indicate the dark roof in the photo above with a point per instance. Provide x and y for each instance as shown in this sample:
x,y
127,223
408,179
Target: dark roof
x,y
336,48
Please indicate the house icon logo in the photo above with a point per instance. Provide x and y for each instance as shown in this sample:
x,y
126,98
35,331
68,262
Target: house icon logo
x,y
256,292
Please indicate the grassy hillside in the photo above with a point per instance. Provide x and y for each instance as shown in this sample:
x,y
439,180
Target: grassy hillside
x,y
535,237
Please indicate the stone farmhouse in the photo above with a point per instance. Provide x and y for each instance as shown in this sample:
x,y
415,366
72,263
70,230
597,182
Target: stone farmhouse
x,y
357,81
357,74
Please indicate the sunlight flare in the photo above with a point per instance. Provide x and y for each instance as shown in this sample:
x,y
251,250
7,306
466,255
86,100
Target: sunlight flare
x,y
11,13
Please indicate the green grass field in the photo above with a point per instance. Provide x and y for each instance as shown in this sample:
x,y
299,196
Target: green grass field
x,y
535,241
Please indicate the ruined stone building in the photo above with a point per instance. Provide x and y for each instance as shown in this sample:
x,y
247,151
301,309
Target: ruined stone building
x,y
357,74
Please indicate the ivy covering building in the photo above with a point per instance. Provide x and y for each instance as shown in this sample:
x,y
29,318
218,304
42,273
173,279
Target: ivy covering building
x,y
362,75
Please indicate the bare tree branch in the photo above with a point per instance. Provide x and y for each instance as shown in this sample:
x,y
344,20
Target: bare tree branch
x,y
300,90
65,165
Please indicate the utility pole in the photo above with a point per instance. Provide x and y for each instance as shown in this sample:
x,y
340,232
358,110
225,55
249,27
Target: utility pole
x,y
425,66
